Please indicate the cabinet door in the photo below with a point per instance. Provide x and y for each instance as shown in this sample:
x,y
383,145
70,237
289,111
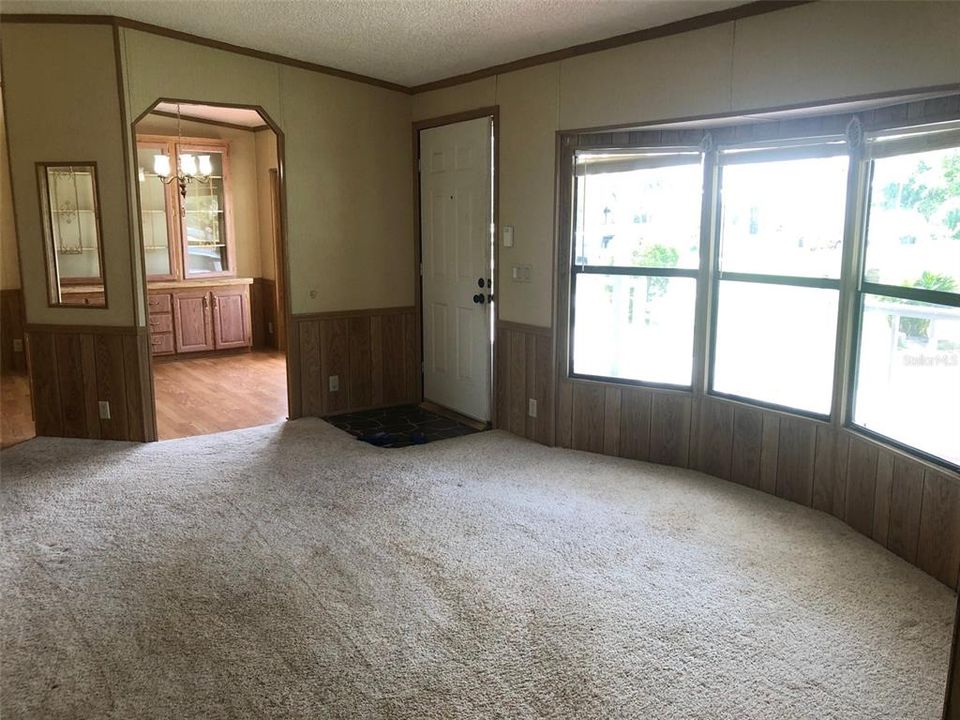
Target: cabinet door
x,y
205,226
158,213
231,318
192,311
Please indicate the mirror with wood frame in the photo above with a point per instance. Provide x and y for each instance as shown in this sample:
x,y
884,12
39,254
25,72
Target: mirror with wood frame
x,y
70,210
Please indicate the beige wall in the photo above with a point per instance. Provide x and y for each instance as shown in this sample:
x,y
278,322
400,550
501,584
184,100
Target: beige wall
x,y
9,269
348,160
349,207
242,158
806,54
60,86
266,150
349,194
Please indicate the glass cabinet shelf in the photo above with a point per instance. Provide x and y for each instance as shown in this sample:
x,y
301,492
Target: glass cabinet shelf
x,y
188,236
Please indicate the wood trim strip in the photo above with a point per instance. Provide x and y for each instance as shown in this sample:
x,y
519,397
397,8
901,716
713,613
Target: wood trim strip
x,y
118,21
698,22
453,118
90,329
366,312
140,393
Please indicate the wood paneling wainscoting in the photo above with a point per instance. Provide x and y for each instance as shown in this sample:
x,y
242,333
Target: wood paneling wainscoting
x,y
374,353
73,368
524,370
11,328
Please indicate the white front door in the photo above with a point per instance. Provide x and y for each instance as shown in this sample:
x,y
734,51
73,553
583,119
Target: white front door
x,y
456,217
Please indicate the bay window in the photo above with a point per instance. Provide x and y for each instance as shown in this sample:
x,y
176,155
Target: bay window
x,y
907,369
635,266
782,215
810,266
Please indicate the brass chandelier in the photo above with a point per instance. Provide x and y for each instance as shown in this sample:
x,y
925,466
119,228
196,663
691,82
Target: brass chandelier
x,y
190,168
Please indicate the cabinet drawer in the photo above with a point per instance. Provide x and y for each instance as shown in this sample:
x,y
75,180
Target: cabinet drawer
x,y
82,299
161,323
159,303
161,343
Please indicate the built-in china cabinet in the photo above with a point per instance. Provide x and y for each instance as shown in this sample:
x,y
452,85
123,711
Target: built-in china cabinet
x,y
186,236
196,301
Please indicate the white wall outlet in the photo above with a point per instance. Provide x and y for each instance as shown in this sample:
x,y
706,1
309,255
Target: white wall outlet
x,y
334,383
104,409
18,345
532,407
508,235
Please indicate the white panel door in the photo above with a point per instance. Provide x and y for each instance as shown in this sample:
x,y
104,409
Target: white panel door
x,y
456,216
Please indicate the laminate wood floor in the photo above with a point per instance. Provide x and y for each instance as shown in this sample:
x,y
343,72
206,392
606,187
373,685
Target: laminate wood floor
x,y
199,396
16,415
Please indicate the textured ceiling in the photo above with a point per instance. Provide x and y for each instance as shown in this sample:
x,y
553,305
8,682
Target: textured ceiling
x,y
234,116
409,42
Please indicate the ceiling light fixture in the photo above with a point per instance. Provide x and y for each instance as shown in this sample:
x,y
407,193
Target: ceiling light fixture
x,y
189,168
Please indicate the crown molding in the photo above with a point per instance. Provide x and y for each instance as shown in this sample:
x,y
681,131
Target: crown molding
x,y
117,21
697,22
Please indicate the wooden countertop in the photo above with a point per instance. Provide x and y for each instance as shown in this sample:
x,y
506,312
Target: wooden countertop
x,y
164,285
198,283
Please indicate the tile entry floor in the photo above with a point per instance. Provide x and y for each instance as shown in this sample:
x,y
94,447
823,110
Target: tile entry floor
x,y
400,425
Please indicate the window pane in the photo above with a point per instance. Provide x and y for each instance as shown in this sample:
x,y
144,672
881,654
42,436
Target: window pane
x,y
633,213
153,214
204,223
908,376
784,217
913,233
775,343
635,328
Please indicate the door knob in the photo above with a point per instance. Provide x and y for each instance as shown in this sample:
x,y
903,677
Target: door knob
x,y
479,299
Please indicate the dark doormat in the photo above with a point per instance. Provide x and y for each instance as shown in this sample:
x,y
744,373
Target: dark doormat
x,y
399,426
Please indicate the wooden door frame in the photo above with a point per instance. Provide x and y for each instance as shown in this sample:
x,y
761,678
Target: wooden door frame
x,y
279,259
492,112
293,383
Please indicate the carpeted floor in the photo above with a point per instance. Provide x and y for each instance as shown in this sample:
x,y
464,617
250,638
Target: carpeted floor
x,y
290,571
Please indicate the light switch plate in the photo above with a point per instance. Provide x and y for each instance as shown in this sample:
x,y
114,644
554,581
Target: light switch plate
x,y
334,383
532,407
521,273
508,235
104,407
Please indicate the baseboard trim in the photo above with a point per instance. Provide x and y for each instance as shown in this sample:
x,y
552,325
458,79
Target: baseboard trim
x,y
365,312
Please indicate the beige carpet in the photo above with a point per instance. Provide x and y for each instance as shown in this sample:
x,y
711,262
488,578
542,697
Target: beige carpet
x,y
292,572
